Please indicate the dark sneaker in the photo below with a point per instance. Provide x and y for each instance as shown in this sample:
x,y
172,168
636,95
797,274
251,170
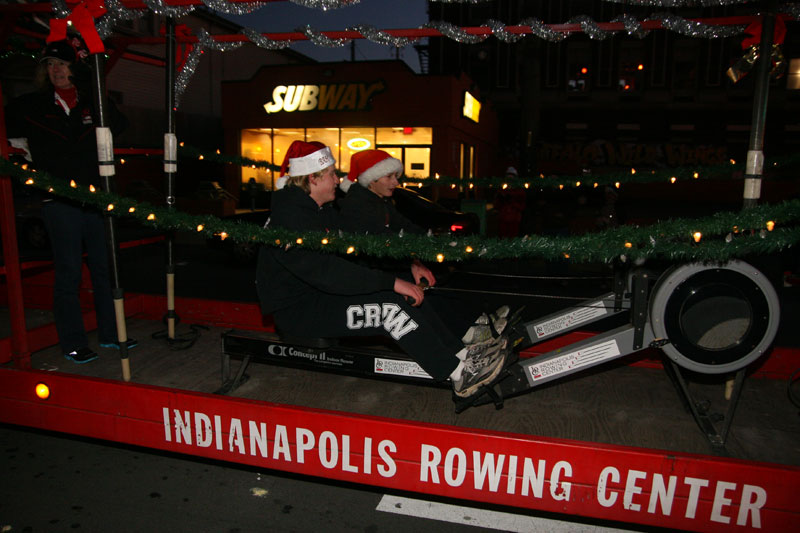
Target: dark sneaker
x,y
131,343
81,355
483,363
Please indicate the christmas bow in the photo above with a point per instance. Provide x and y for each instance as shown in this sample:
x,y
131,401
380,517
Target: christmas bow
x,y
82,19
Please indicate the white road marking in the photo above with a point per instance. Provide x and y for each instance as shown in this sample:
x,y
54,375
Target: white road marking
x,y
482,518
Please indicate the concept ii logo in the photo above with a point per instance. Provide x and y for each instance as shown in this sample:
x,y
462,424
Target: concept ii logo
x,y
332,97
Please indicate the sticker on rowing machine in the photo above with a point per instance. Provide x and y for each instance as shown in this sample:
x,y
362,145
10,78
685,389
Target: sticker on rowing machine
x,y
395,367
588,356
571,319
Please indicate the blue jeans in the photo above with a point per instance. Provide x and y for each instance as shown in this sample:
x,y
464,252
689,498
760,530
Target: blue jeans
x,y
72,228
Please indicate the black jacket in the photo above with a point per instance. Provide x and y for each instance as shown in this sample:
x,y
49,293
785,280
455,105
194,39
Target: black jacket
x,y
284,277
366,212
62,145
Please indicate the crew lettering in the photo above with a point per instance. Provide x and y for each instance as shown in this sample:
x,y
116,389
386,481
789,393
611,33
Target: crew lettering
x,y
395,321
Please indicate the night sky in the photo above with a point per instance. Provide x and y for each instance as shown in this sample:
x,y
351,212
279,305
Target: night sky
x,y
382,14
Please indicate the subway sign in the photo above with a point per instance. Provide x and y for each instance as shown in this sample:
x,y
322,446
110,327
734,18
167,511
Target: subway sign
x,y
331,97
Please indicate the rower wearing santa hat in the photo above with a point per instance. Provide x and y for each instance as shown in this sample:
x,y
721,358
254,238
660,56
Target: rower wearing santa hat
x,y
315,294
368,206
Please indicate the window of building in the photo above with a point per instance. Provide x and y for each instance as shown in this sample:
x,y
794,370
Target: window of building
x,y
257,145
417,162
355,139
793,79
409,144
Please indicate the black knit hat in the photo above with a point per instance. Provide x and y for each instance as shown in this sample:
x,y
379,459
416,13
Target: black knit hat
x,y
70,50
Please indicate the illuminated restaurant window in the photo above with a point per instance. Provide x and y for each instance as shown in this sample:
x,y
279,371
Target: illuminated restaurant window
x,y
257,145
404,135
354,139
417,162
327,136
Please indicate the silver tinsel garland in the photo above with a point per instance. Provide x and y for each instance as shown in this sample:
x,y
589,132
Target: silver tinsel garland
x,y
499,31
204,40
325,5
680,3
322,40
115,12
264,42
590,27
231,8
542,31
454,32
372,34
161,8
695,29
632,26
60,9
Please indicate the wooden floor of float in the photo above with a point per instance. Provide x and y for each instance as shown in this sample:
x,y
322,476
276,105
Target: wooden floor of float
x,y
615,404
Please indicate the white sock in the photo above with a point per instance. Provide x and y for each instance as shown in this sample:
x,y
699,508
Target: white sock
x,y
461,355
455,375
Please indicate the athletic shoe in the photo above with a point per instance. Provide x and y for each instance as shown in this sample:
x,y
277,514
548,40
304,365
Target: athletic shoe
x,y
482,365
81,355
482,331
131,343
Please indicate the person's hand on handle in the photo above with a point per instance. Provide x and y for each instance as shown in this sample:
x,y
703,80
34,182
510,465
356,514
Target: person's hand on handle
x,y
420,271
413,293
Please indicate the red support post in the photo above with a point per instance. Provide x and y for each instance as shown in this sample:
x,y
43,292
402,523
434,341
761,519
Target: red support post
x,y
20,353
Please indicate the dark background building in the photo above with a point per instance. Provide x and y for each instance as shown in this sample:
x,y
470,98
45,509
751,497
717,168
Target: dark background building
x,y
582,103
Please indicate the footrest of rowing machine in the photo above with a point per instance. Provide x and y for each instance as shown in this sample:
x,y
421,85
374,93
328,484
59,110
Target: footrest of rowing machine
x,y
374,362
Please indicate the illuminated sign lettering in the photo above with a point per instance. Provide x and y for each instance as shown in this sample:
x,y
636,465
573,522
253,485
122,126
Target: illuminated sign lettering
x,y
472,107
333,97
358,143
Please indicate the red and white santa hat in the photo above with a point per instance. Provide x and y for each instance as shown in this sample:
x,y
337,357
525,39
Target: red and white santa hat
x,y
304,158
368,165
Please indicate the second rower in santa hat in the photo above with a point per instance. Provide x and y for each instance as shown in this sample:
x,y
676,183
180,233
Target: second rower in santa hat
x,y
370,184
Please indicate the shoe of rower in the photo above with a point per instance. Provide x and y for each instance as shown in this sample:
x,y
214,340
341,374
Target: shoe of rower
x,y
482,364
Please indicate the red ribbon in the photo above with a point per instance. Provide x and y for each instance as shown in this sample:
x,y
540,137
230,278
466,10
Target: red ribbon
x,y
181,52
82,19
753,32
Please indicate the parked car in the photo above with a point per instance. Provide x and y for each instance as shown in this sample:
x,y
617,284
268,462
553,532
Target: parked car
x,y
414,206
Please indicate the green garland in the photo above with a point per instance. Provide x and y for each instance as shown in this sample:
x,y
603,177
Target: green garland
x,y
724,235
615,179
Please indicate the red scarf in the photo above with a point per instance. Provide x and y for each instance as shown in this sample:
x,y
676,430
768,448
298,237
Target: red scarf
x,y
70,96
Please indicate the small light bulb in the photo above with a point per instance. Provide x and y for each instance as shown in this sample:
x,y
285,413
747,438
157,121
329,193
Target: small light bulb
x,y
42,391
673,179
324,241
628,245
697,236
299,240
72,184
91,188
29,181
350,249
770,225
151,216
200,227
468,249
440,258
110,207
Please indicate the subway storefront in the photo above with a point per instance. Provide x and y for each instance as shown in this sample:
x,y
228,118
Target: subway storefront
x,y
433,124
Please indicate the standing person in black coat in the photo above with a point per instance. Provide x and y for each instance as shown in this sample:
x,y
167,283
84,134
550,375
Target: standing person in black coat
x,y
57,123
317,294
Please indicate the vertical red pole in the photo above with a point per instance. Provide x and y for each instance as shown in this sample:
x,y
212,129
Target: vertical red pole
x,y
20,353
